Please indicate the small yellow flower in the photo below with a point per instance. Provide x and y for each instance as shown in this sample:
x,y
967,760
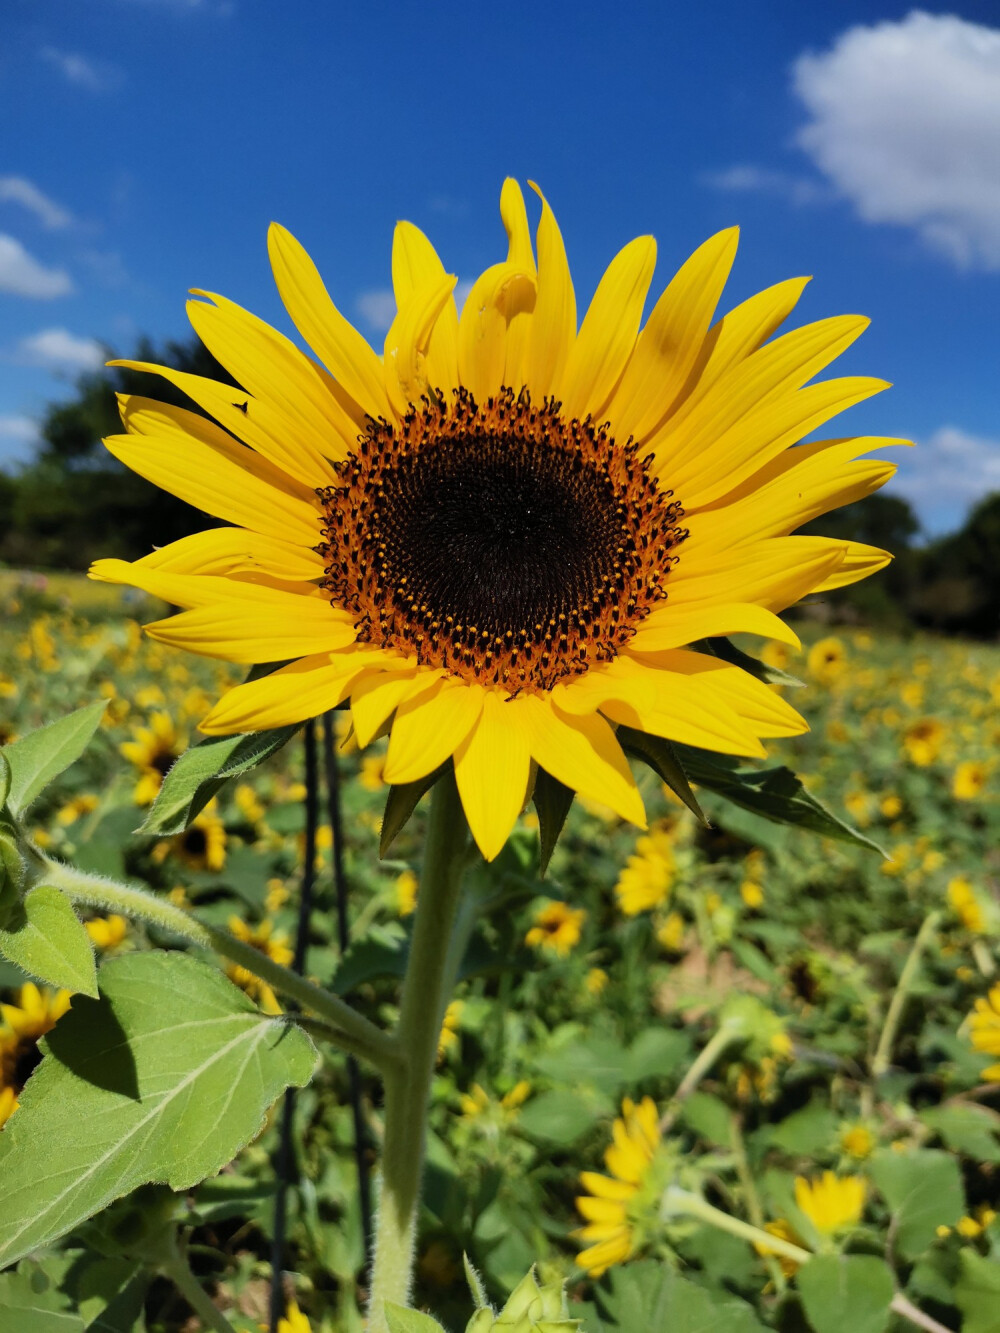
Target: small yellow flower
x,y
969,779
648,875
517,1096
832,1203
294,1320
971,1227
79,806
595,981
22,1024
612,1227
857,1141
448,1039
827,660
922,741
8,1105
776,655
963,901
406,888
370,773
891,806
474,1102
274,945
202,846
984,1030
557,928
107,932
248,803
670,935
153,750
780,1229
752,895
277,895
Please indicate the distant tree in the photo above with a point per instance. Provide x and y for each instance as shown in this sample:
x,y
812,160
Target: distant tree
x,y
959,587
74,502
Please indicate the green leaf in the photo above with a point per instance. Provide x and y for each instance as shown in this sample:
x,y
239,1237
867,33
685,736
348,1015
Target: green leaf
x,y
124,1313
44,938
4,779
775,794
728,652
562,1115
164,1078
552,803
40,756
806,1132
977,1292
31,1303
410,1321
846,1291
709,1117
924,1191
651,1297
662,757
966,1128
403,799
203,770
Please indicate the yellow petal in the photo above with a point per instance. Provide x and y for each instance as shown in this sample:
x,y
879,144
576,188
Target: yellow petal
x,y
491,768
236,552
553,322
336,341
263,629
409,375
608,333
775,572
375,699
859,561
582,754
272,368
671,627
520,257
295,448
427,730
199,463
180,589
416,267
668,347
604,1187
291,694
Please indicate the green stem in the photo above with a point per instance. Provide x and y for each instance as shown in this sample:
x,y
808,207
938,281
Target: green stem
x,y
361,1037
724,1037
887,1039
179,1272
753,1203
429,978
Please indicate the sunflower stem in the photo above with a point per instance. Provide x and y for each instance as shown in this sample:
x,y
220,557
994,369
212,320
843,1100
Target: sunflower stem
x,y
364,1038
429,979
179,1271
894,1016
722,1039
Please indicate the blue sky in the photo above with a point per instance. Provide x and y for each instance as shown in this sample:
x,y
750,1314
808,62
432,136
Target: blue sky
x,y
148,143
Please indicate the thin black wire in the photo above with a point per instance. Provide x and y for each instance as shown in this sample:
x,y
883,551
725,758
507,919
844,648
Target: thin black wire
x,y
285,1163
344,934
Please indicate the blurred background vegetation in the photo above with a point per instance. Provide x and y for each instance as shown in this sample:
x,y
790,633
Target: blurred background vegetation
x,y
73,503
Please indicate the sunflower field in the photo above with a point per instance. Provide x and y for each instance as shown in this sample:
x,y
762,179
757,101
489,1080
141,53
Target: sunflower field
x,y
721,1073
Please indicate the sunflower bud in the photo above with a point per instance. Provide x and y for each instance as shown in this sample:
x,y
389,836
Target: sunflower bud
x,y
530,1309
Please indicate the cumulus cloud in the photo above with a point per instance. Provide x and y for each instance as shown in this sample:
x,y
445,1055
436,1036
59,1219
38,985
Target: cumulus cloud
x,y
18,437
19,190
377,308
946,474
61,350
22,275
745,178
905,123
94,75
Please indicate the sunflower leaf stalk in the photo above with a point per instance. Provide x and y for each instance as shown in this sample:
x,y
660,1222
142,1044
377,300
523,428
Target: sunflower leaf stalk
x,y
430,976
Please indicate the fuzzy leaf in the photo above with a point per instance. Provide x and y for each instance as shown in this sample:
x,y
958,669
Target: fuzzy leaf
x,y
924,1191
662,758
977,1292
44,937
31,1303
40,756
4,779
164,1078
773,793
203,770
846,1291
410,1321
552,802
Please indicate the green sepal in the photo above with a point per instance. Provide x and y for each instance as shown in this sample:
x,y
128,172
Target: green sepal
x,y
400,804
12,872
43,936
727,651
4,779
660,755
552,803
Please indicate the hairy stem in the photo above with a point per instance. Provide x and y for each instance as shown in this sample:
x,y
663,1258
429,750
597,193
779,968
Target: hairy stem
x,y
376,1046
429,979
893,1018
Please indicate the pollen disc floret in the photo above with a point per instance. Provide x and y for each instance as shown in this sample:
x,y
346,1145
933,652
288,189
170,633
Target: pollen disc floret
x,y
504,543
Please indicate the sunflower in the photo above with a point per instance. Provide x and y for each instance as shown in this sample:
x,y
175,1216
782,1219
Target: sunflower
x,y
272,944
497,540
615,1205
153,750
831,1203
557,928
22,1024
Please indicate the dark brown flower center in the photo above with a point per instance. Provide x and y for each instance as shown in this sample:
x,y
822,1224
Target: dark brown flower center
x,y
503,543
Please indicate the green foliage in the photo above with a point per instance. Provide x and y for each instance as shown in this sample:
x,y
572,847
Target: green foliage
x,y
43,936
202,771
410,1321
164,1078
924,1190
654,1298
977,1293
31,1303
39,757
852,1291
552,803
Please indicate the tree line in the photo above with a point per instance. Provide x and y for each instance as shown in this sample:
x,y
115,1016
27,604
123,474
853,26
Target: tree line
x,y
73,503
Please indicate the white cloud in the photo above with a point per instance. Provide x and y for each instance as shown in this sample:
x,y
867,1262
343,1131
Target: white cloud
x,y
18,190
746,178
94,75
23,275
947,473
462,289
906,124
22,430
377,308
60,349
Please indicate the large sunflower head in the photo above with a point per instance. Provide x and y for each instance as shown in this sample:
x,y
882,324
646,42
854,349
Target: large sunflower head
x,y
497,539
